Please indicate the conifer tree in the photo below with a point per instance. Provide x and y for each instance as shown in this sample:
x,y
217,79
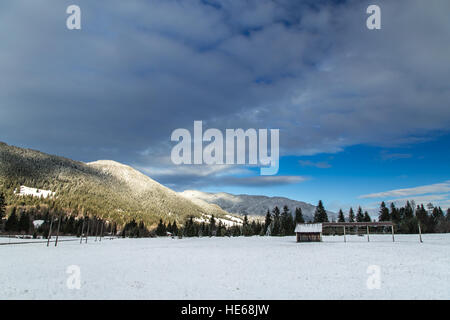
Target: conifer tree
x,y
384,213
367,217
341,217
299,216
359,215
12,222
174,228
267,221
320,214
2,206
246,229
161,229
276,230
409,212
395,213
212,226
351,215
24,223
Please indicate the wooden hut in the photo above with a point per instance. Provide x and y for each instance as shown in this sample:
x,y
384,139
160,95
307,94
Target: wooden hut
x,y
311,232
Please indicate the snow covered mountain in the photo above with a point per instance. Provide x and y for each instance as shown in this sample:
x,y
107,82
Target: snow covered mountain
x,y
251,204
105,188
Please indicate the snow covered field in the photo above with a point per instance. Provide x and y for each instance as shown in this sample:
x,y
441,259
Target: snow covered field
x,y
230,268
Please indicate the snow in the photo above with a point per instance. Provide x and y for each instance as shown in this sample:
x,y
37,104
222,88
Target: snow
x,y
27,191
229,223
38,223
230,268
309,228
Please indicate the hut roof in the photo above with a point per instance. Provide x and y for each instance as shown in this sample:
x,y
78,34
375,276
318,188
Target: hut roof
x,y
308,228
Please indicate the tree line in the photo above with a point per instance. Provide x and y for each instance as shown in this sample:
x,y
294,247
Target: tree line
x,y
276,222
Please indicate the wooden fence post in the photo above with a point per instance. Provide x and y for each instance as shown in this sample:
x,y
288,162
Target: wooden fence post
x,y
420,233
345,239
392,227
82,230
87,233
96,228
50,230
57,232
368,237
101,231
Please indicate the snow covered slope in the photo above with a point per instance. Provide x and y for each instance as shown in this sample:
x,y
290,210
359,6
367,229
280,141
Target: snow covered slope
x,y
153,195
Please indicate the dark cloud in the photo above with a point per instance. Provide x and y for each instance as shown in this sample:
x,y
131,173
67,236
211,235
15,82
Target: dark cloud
x,y
140,69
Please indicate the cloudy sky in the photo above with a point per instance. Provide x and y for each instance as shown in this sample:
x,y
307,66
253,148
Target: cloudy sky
x,y
364,115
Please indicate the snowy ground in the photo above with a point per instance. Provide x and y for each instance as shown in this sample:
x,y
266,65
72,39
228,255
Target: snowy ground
x,y
230,268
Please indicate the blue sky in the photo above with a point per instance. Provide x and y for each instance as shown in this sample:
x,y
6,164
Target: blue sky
x,y
361,170
362,113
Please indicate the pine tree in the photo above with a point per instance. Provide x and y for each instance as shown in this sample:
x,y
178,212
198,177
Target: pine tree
x,y
351,215
359,215
395,214
24,223
341,217
161,229
384,213
287,222
246,229
212,226
367,217
12,223
2,206
320,214
276,230
174,228
409,212
299,216
267,221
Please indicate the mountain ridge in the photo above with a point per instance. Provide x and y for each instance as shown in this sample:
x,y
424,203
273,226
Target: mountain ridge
x,y
104,188
252,204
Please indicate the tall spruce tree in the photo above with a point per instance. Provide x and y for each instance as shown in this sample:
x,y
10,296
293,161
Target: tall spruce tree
x,y
174,228
267,221
384,213
299,216
341,217
351,215
287,222
246,228
24,223
212,226
360,215
320,215
276,230
409,212
395,214
161,229
12,223
2,206
367,217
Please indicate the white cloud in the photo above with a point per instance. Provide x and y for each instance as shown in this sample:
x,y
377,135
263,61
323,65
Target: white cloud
x,y
421,190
